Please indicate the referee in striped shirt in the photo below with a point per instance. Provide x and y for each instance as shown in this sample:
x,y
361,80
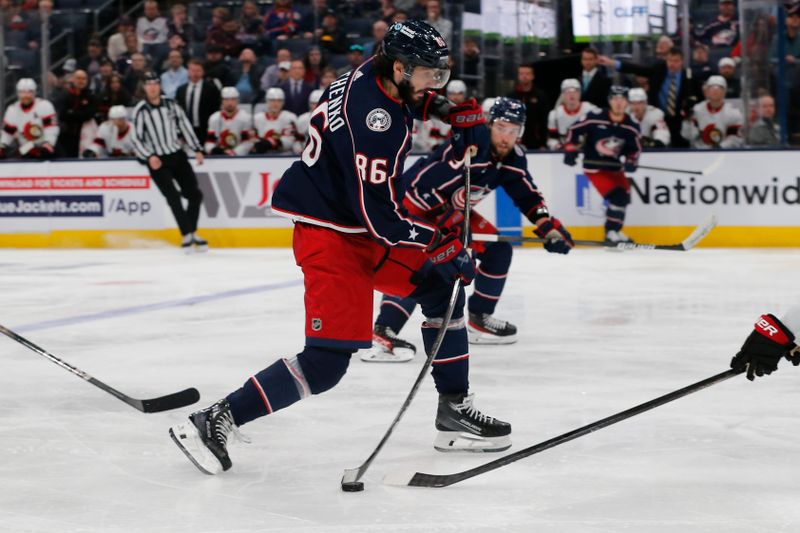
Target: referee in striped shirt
x,y
158,122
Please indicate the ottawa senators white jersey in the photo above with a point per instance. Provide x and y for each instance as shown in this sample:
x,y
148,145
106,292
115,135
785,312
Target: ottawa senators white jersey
x,y
560,119
429,135
282,127
230,133
301,133
654,130
709,128
34,125
110,142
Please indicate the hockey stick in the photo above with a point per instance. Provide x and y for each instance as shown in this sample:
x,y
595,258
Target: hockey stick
x,y
699,233
419,479
646,167
350,479
153,405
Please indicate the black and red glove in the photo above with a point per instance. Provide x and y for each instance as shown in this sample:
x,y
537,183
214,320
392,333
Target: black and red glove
x,y
558,239
450,259
764,348
468,129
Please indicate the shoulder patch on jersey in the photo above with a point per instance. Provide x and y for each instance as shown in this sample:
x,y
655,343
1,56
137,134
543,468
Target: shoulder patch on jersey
x,y
519,150
379,120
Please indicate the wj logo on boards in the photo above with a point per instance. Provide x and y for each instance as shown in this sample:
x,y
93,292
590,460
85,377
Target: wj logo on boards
x,y
241,194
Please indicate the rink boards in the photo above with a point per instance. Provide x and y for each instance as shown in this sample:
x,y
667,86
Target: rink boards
x,y
755,195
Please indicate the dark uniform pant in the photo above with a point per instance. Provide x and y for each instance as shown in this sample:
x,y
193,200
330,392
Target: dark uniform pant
x,y
175,179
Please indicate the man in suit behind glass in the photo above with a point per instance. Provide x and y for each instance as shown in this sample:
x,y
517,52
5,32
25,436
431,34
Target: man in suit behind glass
x,y
593,78
296,89
199,98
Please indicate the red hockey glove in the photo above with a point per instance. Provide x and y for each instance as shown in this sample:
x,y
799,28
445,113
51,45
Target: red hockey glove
x,y
450,259
763,349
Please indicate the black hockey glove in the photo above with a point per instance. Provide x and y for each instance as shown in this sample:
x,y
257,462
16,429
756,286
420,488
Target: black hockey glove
x,y
559,241
468,130
630,166
763,349
571,158
89,154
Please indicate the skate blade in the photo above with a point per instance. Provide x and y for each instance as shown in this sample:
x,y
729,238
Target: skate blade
x,y
479,337
200,248
187,438
457,441
379,355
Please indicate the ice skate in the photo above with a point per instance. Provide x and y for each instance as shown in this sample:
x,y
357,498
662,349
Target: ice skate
x,y
204,437
186,244
199,243
486,329
462,427
616,237
388,348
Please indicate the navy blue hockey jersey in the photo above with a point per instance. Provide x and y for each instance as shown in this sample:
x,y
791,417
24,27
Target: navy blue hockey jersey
x,y
436,181
349,174
604,140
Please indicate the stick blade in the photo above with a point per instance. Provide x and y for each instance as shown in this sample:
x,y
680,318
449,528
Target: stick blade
x,y
700,232
351,475
170,401
399,478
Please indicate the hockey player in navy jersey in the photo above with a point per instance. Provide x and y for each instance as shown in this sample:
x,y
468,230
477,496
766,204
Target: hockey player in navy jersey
x,y
436,193
607,136
352,235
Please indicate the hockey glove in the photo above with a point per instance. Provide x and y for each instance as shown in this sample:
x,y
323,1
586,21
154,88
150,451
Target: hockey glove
x,y
468,130
451,221
763,349
89,154
559,241
631,166
450,259
571,158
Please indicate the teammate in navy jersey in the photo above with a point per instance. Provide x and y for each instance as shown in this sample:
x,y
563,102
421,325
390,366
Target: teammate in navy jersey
x,y
607,136
352,235
436,193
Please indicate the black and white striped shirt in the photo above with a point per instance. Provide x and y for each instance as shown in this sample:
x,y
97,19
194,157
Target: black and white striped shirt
x,y
156,129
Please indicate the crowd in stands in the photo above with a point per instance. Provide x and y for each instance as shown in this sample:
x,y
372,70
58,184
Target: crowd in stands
x,y
276,61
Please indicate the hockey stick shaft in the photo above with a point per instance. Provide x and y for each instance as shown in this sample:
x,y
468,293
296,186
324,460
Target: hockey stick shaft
x,y
420,479
645,167
595,244
154,405
352,475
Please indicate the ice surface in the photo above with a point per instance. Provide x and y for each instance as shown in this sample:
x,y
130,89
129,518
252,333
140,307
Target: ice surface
x,y
599,332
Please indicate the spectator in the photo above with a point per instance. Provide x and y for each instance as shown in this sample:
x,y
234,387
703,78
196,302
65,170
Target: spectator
x,y
77,108
433,14
355,56
117,46
230,130
379,28
472,57
226,38
114,94
271,74
757,48
537,107
672,88
650,119
216,67
724,30
302,122
565,114
727,69
399,16
175,75
34,29
179,24
275,128
246,76
282,21
765,131
701,66
311,20
134,78
114,137
330,36
176,44
388,11
417,9
328,77
251,26
33,135
99,81
199,98
91,61
152,27
663,45
218,16
295,89
132,46
714,123
792,44
594,79
314,63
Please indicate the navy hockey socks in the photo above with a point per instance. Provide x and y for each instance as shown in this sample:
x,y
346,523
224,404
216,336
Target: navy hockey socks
x,y
395,312
492,273
450,368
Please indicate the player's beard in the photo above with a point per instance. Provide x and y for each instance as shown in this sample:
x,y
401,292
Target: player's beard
x,y
407,93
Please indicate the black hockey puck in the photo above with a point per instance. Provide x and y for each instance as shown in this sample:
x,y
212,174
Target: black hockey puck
x,y
352,486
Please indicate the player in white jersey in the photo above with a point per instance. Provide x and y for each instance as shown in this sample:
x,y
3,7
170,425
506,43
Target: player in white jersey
x,y
276,128
714,123
30,125
430,134
304,120
649,118
114,137
230,130
567,113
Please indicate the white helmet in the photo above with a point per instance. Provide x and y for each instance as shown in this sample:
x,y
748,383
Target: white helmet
x,y
457,87
26,84
487,105
313,98
717,80
230,92
637,94
275,93
117,111
570,84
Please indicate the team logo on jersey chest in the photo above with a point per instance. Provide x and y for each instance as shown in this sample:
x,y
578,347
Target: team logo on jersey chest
x,y
609,147
379,120
32,131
